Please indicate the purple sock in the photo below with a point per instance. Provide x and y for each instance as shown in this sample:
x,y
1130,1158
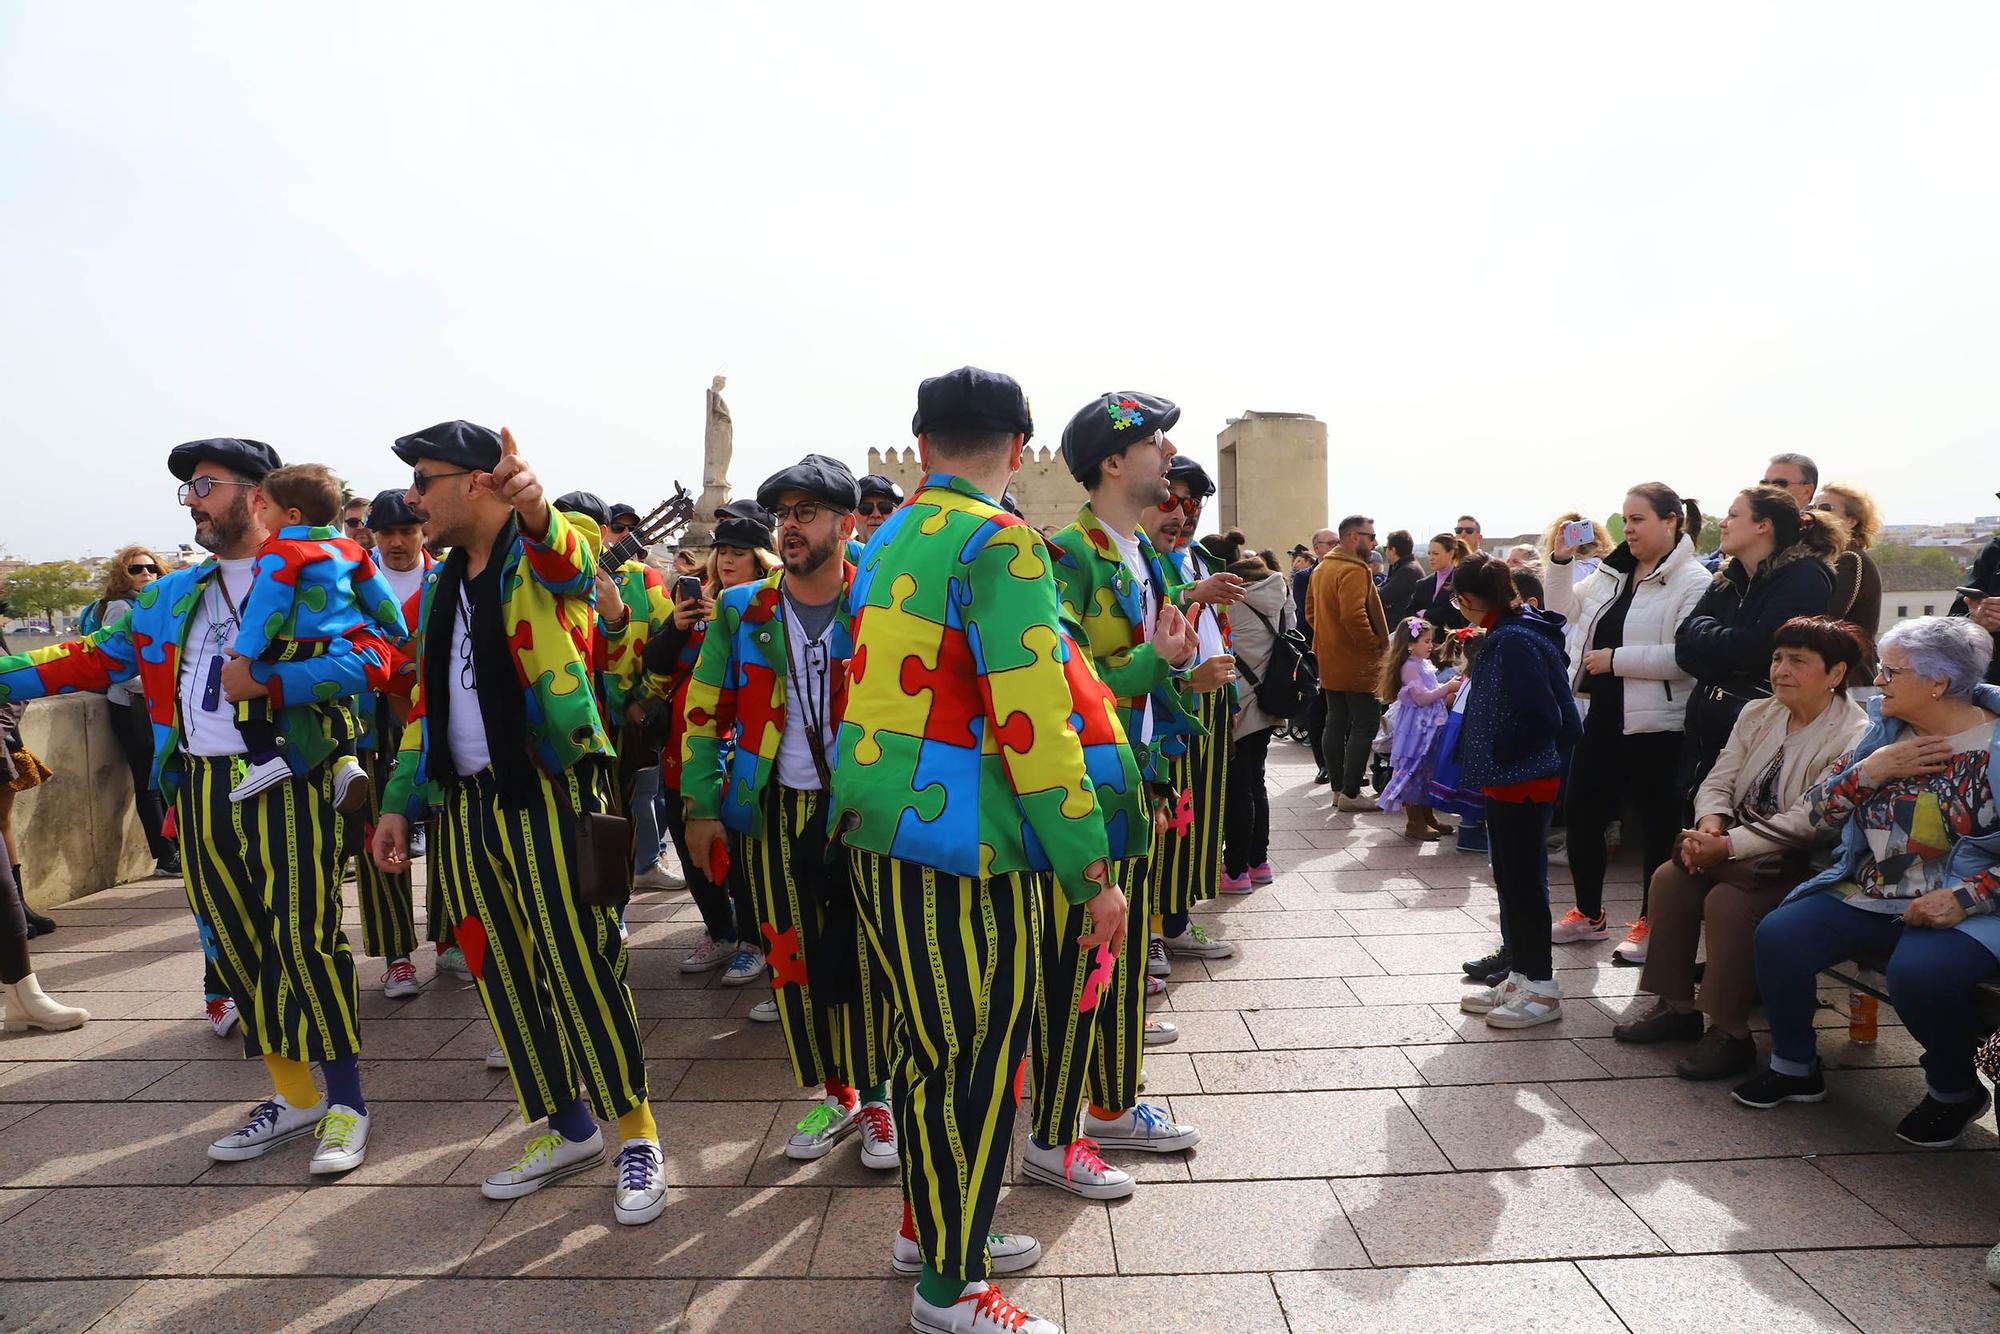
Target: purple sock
x,y
574,1122
343,1083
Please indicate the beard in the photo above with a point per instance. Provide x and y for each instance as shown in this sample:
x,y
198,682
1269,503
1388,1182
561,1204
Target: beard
x,y
227,529
812,555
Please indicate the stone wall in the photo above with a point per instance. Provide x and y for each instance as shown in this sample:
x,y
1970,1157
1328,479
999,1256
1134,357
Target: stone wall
x,y
78,832
1271,478
1043,488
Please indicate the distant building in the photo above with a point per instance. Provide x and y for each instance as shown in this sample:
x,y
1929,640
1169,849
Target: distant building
x,y
1271,478
1044,490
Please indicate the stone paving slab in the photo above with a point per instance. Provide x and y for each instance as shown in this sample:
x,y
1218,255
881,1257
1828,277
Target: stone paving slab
x,y
1372,1157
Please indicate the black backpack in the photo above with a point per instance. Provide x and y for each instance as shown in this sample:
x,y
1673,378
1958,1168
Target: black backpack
x,y
1291,677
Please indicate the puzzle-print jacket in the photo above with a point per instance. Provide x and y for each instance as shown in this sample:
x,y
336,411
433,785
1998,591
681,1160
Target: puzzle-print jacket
x,y
311,584
1099,596
977,739
309,698
547,600
645,595
737,695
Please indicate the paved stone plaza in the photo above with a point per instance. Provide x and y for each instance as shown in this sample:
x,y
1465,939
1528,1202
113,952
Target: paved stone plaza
x,y
1374,1159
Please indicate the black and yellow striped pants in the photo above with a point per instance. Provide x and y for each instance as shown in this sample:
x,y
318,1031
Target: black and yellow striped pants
x,y
263,877
550,969
388,912
1095,1054
833,1004
963,965
1186,862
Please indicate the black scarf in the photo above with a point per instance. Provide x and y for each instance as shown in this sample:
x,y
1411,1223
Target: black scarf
x,y
493,675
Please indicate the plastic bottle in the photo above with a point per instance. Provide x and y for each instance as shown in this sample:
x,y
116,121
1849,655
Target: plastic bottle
x,y
1861,1017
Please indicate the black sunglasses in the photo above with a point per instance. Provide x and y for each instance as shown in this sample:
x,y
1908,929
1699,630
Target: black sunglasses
x,y
423,480
882,507
142,567
357,523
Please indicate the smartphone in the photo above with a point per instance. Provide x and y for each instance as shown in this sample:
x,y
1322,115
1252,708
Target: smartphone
x,y
1971,594
687,588
1579,533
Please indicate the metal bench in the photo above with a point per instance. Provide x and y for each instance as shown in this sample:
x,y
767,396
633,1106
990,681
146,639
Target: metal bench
x,y
1865,976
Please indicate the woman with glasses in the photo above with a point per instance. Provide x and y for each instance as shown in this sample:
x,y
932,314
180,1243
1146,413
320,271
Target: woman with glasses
x,y
1916,877
131,570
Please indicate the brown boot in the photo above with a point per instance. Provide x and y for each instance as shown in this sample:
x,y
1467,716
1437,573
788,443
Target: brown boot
x,y
1416,827
1718,1056
1431,819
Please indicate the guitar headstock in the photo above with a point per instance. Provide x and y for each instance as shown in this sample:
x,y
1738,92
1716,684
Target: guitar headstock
x,y
667,520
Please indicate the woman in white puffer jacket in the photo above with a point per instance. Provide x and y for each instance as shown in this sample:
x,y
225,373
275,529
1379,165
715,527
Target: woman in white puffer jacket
x,y
1623,616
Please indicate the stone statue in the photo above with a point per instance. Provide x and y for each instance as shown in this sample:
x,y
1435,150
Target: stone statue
x,y
718,443
718,440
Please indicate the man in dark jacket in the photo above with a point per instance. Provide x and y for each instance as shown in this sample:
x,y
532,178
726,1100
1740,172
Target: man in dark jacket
x,y
1985,574
1399,584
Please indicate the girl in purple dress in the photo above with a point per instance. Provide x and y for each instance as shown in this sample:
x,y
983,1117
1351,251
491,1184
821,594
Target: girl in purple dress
x,y
1410,683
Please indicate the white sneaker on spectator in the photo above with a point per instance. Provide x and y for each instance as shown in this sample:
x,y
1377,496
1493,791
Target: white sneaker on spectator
x,y
1573,926
546,1158
1358,805
1486,999
1527,1005
746,965
1006,1253
497,1058
1160,1033
708,956
657,876
1078,1168
1143,1127
1155,986
765,1011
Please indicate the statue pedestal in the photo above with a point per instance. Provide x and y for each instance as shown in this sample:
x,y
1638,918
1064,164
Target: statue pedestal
x,y
701,532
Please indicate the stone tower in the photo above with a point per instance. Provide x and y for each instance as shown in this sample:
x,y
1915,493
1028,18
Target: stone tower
x,y
1271,478
1043,488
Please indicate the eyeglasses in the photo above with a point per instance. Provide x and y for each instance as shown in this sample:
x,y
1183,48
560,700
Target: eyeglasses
x,y
201,486
882,507
801,514
1885,673
421,481
1370,534
142,567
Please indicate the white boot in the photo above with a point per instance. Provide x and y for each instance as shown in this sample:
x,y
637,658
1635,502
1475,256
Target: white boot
x,y
28,1006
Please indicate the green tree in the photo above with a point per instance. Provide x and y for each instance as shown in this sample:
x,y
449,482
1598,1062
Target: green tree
x,y
48,588
1931,560
1711,533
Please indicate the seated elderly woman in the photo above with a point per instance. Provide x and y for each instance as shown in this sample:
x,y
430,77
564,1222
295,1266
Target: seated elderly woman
x,y
1749,847
1916,877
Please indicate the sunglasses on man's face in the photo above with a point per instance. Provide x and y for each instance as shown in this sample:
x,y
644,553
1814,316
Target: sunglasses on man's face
x,y
1186,505
352,524
420,482
882,507
620,528
142,567
1465,532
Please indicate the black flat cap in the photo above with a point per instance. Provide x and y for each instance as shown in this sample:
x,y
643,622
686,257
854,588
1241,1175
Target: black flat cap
x,y
587,503
621,511
971,399
816,475
1111,422
388,510
743,509
459,443
877,484
1181,468
1301,550
249,459
745,533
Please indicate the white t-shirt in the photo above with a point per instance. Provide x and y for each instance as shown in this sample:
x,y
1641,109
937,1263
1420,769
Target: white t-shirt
x,y
467,730
208,720
1128,547
121,692
403,583
811,669
1208,631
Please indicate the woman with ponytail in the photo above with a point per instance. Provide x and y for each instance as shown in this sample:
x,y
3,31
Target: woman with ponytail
x,y
1780,565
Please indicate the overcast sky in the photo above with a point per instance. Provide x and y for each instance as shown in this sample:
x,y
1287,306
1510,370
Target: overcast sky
x,y
1516,256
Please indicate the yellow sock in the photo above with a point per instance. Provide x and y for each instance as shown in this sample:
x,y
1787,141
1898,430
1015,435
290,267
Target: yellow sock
x,y
639,1124
293,1080
1159,924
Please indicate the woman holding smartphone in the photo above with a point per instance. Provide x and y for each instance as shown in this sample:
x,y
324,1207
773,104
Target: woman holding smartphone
x,y
1623,616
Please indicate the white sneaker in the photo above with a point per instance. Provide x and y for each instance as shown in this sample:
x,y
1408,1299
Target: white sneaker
x,y
746,965
222,1015
400,980
343,1141
1197,942
981,1310
272,1123
879,1148
1006,1253
267,774
707,956
1157,962
452,961
351,786
1486,999
822,1128
1632,949
548,1157
1529,1004
641,1193
1144,1127
657,876
497,1058
1358,805
765,1011
1078,1168
1155,986
418,843
1160,1033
